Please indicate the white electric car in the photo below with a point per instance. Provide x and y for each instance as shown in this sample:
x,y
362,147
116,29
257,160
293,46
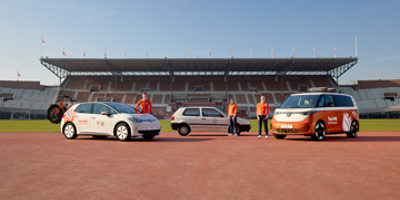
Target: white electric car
x,y
102,119
204,119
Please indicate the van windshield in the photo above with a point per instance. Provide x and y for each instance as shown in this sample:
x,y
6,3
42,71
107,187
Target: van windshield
x,y
300,101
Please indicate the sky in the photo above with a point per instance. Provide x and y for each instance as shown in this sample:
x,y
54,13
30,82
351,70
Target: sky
x,y
178,25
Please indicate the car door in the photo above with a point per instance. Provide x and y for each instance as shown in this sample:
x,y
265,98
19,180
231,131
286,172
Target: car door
x,y
192,117
213,120
101,124
82,118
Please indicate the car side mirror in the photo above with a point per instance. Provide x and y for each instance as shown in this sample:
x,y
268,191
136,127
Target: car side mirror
x,y
105,113
221,115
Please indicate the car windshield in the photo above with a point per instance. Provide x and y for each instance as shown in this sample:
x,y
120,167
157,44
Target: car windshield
x,y
121,108
300,101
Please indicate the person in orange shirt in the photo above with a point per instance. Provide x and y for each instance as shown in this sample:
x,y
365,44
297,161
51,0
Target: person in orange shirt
x,y
144,104
232,113
262,116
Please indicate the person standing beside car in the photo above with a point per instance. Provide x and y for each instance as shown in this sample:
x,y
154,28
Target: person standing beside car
x,y
262,116
144,105
232,113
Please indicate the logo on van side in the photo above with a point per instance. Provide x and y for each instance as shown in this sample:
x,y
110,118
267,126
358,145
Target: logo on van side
x,y
332,118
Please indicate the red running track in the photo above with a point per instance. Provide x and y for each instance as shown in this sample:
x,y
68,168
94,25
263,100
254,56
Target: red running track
x,y
48,166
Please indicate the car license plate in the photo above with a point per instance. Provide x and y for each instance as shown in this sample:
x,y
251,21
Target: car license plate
x,y
151,128
287,126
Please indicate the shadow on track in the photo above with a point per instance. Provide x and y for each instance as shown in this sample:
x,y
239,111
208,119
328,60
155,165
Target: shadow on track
x,y
156,139
346,139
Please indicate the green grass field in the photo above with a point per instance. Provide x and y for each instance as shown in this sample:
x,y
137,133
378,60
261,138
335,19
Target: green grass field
x,y
34,126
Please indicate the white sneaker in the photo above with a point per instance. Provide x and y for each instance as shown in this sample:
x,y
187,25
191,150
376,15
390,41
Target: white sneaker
x,y
259,136
230,134
236,135
266,137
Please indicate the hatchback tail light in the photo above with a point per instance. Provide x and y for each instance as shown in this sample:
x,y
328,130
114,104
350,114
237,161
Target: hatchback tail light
x,y
172,118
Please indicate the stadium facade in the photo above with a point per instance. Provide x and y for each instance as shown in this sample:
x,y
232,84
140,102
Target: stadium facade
x,y
172,83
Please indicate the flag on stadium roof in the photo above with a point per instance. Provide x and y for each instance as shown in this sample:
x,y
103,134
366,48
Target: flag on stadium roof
x,y
126,52
188,53
251,52
105,54
84,54
272,52
147,53
19,75
230,52
43,40
209,53
314,52
335,54
293,52
63,53
167,53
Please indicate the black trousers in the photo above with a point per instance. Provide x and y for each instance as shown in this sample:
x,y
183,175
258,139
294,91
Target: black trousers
x,y
263,118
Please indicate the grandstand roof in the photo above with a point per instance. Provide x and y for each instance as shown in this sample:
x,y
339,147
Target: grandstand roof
x,y
177,66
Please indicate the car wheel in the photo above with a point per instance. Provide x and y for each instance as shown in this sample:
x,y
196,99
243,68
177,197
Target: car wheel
x,y
99,136
319,132
123,132
147,137
69,131
353,130
279,136
183,130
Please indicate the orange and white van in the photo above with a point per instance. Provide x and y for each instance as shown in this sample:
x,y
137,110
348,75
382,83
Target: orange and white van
x,y
316,114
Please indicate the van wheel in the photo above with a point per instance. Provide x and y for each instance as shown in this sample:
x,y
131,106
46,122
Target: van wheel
x,y
353,130
69,131
319,132
279,136
123,132
183,130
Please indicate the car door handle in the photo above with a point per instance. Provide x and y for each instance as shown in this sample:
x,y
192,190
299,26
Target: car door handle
x,y
203,118
93,117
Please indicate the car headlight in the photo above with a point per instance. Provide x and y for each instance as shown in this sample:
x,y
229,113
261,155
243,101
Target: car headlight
x,y
135,120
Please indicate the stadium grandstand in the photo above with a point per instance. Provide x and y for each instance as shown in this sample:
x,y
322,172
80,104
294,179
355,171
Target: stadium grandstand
x,y
173,83
25,99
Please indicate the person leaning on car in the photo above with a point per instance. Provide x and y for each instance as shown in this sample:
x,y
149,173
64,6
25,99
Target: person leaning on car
x,y
232,113
144,104
262,116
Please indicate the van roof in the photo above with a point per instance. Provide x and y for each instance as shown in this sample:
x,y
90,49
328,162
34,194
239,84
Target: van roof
x,y
319,93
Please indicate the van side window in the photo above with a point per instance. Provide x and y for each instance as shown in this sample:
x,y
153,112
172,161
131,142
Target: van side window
x,y
191,112
343,101
326,101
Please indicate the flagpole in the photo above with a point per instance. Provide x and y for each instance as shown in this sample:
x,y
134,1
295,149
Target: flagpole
x,y
272,52
356,47
313,52
41,47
